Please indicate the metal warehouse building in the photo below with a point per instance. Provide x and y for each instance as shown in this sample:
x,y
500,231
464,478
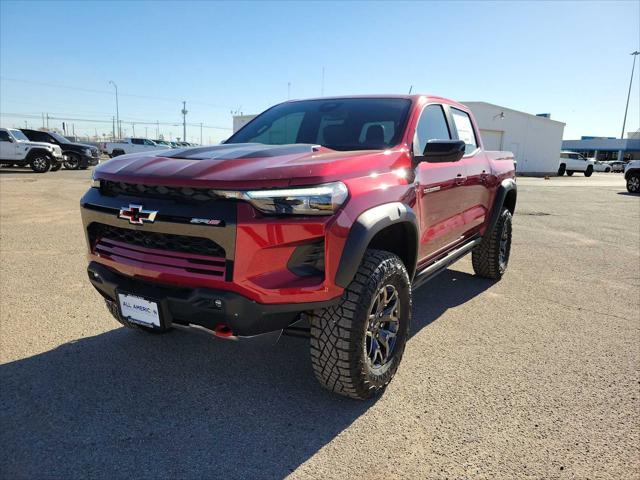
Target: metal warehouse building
x,y
535,140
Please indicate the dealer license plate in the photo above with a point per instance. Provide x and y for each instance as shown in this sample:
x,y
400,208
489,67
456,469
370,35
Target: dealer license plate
x,y
139,310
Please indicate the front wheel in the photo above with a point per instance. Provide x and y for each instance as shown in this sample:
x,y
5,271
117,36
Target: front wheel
x,y
491,257
589,171
562,169
357,345
73,162
40,163
633,183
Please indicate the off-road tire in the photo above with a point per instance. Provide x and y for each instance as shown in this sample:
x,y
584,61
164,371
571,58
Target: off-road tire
x,y
113,309
633,183
39,162
55,167
589,171
73,162
486,257
562,169
569,173
338,333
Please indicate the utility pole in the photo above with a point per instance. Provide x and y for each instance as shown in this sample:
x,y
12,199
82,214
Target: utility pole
x,y
200,133
113,130
133,126
111,82
184,120
146,134
47,121
624,122
73,129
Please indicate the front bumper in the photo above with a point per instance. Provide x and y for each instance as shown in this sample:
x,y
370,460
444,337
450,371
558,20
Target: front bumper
x,y
205,307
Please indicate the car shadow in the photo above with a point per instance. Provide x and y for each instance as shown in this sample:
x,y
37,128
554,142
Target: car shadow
x,y
181,405
629,194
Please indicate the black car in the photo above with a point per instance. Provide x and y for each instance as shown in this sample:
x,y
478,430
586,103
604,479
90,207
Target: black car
x,y
78,155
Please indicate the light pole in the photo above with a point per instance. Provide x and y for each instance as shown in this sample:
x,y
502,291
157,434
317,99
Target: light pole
x,y
184,121
111,82
624,122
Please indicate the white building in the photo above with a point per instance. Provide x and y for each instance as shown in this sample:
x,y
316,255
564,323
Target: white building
x,y
535,140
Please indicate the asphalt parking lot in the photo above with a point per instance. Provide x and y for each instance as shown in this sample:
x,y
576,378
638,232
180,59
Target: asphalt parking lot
x,y
535,376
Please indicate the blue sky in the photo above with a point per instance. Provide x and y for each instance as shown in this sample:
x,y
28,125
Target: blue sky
x,y
567,58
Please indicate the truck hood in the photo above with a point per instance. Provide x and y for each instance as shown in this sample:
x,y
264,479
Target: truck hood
x,y
248,165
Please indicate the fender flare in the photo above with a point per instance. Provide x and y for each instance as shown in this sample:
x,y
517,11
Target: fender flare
x,y
33,151
507,185
364,229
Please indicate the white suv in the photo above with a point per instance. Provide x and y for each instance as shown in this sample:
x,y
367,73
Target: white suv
x,y
571,162
17,149
632,176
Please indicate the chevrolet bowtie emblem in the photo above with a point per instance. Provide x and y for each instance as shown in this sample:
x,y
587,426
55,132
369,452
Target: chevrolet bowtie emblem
x,y
137,215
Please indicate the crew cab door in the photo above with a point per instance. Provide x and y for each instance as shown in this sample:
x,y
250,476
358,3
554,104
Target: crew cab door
x,y
8,147
437,186
475,194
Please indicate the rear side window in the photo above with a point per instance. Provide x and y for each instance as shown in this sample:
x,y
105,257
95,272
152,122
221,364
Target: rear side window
x,y
4,136
465,129
137,141
431,126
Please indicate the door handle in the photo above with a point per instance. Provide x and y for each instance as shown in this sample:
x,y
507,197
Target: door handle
x,y
460,179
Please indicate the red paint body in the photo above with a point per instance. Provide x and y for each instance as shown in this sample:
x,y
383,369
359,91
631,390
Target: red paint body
x,y
452,202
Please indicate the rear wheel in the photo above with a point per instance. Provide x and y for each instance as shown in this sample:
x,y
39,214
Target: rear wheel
x,y
562,169
357,345
56,166
569,173
40,162
491,257
633,183
589,171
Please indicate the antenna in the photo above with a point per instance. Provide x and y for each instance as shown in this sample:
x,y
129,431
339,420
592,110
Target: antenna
x,y
410,88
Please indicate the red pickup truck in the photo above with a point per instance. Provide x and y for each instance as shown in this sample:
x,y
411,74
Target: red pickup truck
x,y
325,212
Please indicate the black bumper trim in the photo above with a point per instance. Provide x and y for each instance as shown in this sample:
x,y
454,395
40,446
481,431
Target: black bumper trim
x,y
185,305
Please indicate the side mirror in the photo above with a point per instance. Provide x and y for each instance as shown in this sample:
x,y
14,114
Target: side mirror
x,y
440,151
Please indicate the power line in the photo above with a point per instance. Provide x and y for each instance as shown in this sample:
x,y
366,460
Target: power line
x,y
107,92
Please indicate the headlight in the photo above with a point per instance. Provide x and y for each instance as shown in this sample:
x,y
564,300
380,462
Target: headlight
x,y
319,200
87,152
95,183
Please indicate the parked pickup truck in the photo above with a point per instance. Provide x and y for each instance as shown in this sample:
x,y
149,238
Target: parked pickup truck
x,y
319,217
17,149
132,145
571,162
77,155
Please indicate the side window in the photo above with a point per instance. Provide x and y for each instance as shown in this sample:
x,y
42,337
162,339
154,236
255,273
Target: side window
x,y
137,141
465,129
431,126
4,136
148,142
282,131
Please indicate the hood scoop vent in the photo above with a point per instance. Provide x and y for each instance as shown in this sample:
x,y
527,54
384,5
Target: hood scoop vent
x,y
239,151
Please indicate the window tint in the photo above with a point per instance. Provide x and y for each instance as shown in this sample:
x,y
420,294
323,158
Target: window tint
x,y
40,137
282,131
465,129
4,136
137,141
148,142
431,126
339,124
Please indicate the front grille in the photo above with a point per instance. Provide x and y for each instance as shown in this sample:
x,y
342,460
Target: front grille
x,y
182,194
160,241
177,254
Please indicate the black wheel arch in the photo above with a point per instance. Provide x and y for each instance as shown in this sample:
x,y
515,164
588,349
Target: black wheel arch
x,y
506,196
384,227
631,171
35,151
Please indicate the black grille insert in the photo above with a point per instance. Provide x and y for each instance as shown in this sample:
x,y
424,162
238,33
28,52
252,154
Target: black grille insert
x,y
183,194
160,241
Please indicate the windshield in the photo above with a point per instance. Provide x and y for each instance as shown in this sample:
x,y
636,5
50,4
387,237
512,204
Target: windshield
x,y
340,124
18,135
58,137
